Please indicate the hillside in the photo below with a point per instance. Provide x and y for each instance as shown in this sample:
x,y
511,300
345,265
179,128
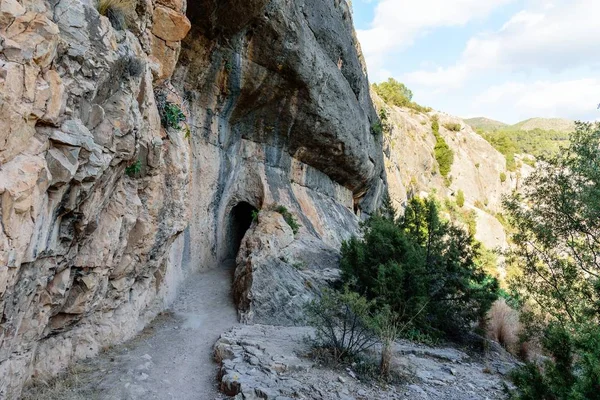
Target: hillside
x,y
477,169
486,124
546,124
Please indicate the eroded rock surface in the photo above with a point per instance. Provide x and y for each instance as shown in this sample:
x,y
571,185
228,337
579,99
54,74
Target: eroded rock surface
x,y
477,169
267,362
278,273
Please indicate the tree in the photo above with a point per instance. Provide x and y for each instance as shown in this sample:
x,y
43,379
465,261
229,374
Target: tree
x,y
423,268
557,249
394,92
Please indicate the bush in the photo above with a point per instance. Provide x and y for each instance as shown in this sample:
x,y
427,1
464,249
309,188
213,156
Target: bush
x,y
134,169
572,372
120,13
343,322
171,115
442,152
502,177
460,198
289,218
453,126
376,129
424,269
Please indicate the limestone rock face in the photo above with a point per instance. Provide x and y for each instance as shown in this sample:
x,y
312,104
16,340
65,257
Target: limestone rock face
x,y
104,210
279,272
413,170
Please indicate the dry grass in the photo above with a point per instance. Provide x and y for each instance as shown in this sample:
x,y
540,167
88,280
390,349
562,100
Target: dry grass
x,y
69,386
504,326
120,13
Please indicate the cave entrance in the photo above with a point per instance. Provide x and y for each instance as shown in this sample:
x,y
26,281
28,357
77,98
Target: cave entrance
x,y
240,219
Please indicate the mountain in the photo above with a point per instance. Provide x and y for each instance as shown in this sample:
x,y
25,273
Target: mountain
x,y
486,124
546,124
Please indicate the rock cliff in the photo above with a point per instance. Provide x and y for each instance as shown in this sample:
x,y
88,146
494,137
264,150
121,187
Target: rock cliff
x,y
108,198
478,170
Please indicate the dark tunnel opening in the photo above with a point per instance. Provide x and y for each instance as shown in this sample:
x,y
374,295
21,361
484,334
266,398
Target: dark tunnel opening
x,y
240,219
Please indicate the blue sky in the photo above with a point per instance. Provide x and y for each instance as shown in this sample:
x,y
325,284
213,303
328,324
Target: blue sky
x,y
504,59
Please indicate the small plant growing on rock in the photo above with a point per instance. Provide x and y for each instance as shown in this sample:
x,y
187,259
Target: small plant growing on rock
x,y
289,218
502,177
120,13
376,129
254,215
171,115
134,66
453,126
134,169
460,198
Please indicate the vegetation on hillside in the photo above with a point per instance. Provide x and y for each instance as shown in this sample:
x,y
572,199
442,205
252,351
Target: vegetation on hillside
x,y
397,94
546,124
443,153
537,142
416,276
486,124
422,267
556,247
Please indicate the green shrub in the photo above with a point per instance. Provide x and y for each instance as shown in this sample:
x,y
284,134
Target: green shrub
x,y
171,115
421,267
344,323
571,372
289,218
460,198
453,126
134,169
442,152
502,177
376,129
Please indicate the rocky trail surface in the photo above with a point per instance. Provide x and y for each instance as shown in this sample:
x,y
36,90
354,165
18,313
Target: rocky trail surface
x,y
268,362
171,359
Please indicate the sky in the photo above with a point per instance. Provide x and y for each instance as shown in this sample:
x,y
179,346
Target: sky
x,y
507,60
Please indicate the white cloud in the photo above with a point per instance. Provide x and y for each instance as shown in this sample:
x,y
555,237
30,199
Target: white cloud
x,y
398,23
575,99
551,36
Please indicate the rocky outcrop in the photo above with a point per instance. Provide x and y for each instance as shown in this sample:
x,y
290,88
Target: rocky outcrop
x,y
478,170
267,362
279,272
104,208
88,252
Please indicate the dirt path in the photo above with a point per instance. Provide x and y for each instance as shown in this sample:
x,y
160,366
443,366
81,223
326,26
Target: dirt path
x,y
171,359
